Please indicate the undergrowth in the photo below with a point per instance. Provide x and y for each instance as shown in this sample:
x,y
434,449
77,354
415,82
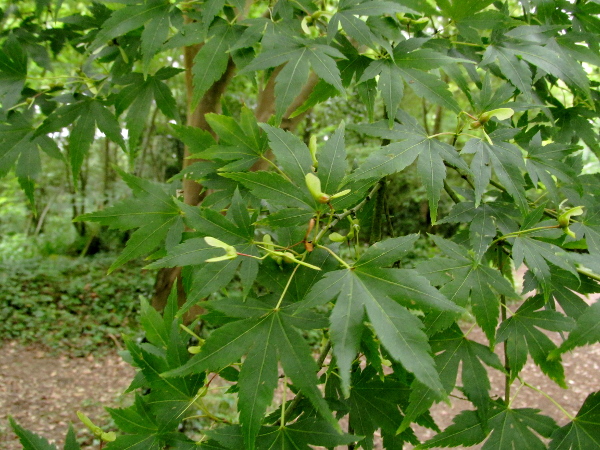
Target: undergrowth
x,y
70,304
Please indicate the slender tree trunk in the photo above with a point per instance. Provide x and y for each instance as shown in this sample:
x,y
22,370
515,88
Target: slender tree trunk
x,y
192,191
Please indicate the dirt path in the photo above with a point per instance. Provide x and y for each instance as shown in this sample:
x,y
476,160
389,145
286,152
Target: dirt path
x,y
43,393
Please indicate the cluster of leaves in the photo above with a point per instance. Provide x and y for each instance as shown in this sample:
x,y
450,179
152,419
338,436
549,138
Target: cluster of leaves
x,y
70,304
520,105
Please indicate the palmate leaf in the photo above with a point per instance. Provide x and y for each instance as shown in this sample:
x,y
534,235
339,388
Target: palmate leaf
x,y
13,72
297,54
510,429
240,141
127,19
413,142
458,9
84,115
586,331
462,278
555,61
292,154
332,161
373,291
137,96
348,16
431,88
274,188
453,348
267,335
544,162
522,335
374,404
20,149
389,83
302,435
514,69
537,254
508,164
205,278
151,210
212,59
584,431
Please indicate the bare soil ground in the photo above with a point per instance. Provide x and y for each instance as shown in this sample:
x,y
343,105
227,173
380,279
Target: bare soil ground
x,y
43,392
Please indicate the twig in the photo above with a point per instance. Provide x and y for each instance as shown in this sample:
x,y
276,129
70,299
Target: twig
x,y
294,403
345,214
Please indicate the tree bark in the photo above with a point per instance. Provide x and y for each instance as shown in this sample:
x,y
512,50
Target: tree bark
x,y
192,191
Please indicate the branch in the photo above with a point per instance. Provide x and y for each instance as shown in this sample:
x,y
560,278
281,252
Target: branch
x,y
345,214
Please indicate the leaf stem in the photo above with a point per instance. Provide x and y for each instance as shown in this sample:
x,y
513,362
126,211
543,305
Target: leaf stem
x,y
340,260
451,192
520,232
563,410
287,286
507,376
587,273
294,403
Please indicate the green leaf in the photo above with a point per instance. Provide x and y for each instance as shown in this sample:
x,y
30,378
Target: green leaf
x,y
127,19
257,382
154,326
287,217
135,442
16,144
292,154
293,75
84,115
274,188
586,331
507,162
154,35
164,99
71,440
464,279
458,9
553,60
386,252
151,210
537,254
425,59
510,428
466,430
454,350
584,431
191,252
224,347
431,88
398,330
29,440
514,69
13,71
212,59
413,143
332,161
374,403
482,231
523,337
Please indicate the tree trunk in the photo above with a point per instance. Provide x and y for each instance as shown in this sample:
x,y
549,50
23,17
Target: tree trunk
x,y
192,191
